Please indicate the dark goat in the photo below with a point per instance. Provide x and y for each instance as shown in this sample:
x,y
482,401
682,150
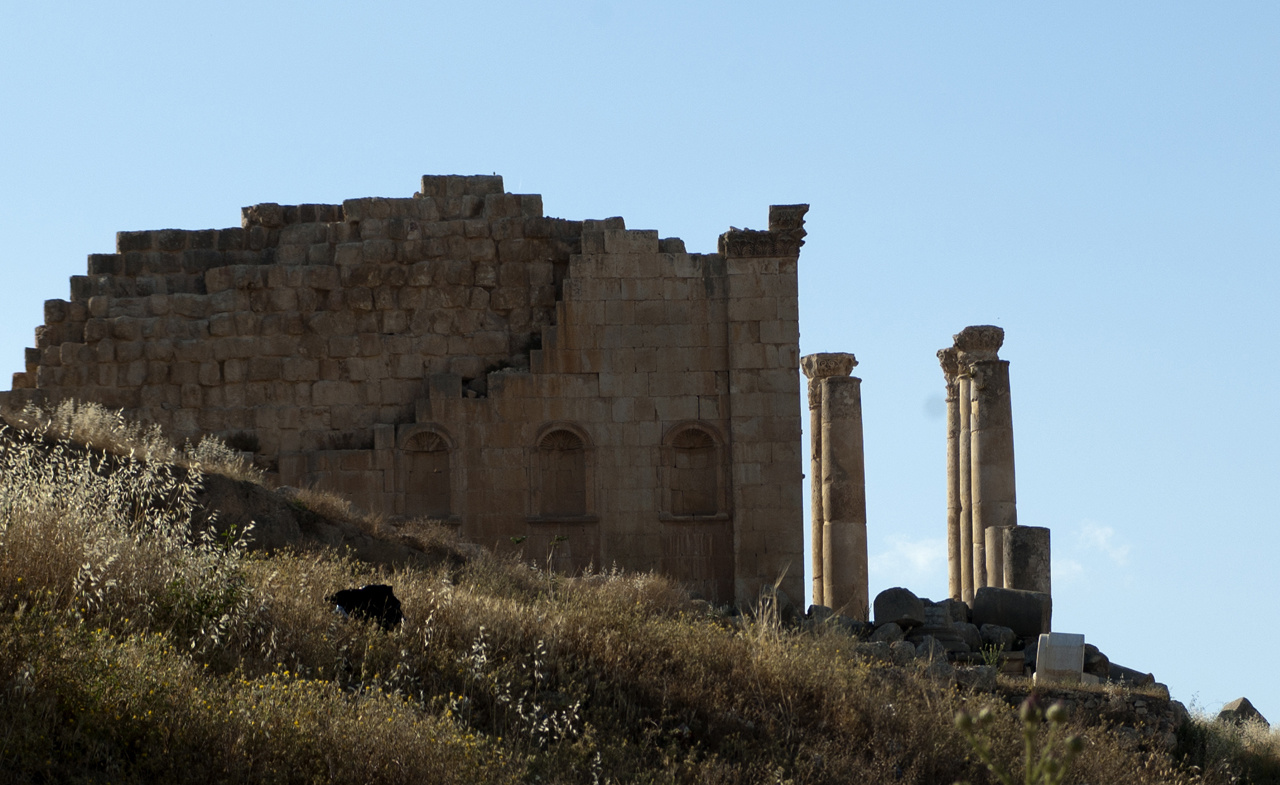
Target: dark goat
x,y
374,602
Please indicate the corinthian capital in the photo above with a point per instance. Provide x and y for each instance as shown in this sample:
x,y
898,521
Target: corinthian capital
x,y
824,364
979,342
949,359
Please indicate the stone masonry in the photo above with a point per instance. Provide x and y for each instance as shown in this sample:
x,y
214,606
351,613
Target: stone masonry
x,y
593,393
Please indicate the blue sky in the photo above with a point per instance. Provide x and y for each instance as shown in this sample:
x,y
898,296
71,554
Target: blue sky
x,y
1102,181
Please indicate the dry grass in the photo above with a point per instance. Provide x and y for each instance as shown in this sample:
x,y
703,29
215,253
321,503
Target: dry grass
x,y
1228,752
133,650
93,425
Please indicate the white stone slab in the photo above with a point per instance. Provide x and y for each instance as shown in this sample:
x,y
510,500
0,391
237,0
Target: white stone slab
x,y
1059,658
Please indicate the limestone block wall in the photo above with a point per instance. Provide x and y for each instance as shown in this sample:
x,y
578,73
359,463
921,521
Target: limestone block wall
x,y
588,393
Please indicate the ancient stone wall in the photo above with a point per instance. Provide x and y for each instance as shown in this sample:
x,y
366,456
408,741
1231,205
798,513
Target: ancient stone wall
x,y
594,393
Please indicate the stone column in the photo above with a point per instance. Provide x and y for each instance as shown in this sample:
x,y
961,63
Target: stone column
x,y
815,479
951,370
817,367
844,501
994,508
1026,559
969,580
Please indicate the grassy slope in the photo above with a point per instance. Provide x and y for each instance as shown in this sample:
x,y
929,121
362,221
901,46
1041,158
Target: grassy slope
x,y
134,651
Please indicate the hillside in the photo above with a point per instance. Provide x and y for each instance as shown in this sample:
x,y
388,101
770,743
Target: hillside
x,y
141,644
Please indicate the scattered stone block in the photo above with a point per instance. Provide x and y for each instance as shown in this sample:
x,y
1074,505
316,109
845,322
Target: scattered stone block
x,y
969,634
941,672
956,611
980,678
878,650
1123,675
888,633
899,606
995,635
1241,710
819,613
902,652
945,634
1095,662
930,648
853,627
1059,658
1027,613
1013,663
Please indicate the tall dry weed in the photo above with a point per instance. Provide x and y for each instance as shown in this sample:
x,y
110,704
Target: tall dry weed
x,y
92,425
135,648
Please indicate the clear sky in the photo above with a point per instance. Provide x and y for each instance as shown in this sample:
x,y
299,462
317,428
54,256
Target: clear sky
x,y
1100,179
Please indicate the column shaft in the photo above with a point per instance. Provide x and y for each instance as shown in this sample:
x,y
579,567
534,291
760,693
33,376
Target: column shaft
x,y
1026,559
994,502
844,502
964,478
954,549
815,488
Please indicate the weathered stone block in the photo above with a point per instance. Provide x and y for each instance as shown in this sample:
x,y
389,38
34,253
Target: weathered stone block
x,y
379,251
55,311
1059,658
264,368
900,606
133,241
296,369
210,374
1239,711
1026,557
1027,613
998,637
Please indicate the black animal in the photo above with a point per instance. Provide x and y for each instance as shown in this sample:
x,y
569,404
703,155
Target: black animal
x,y
375,602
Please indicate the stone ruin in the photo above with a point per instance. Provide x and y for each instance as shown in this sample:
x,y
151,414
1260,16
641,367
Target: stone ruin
x,y
999,609
986,546
588,394
987,549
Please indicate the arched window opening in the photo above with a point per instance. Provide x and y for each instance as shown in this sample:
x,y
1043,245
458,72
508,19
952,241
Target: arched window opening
x,y
562,461
428,481
694,474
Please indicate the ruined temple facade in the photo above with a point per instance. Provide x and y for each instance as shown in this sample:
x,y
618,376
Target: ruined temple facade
x,y
597,394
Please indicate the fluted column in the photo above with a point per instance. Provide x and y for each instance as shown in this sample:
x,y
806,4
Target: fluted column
x,y
818,368
955,579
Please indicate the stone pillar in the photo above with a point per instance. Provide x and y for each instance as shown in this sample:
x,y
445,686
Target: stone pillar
x,y
951,370
969,580
818,367
1026,559
844,501
815,479
992,499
